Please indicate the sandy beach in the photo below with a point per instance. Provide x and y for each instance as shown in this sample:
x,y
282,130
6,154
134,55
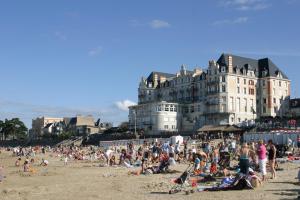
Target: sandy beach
x,y
86,180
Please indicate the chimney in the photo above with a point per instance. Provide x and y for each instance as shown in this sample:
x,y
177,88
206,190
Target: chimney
x,y
230,68
155,80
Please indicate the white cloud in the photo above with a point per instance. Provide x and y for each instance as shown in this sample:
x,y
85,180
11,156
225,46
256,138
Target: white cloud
x,y
239,20
123,105
60,35
96,51
245,5
156,24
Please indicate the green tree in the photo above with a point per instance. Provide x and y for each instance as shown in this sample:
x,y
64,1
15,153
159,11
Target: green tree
x,y
14,128
1,129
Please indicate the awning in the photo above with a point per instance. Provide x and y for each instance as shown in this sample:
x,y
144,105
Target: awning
x,y
221,128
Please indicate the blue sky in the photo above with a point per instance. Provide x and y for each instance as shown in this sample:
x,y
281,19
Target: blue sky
x,y
63,57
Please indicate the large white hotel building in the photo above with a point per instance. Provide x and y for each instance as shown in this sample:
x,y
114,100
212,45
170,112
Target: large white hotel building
x,y
231,90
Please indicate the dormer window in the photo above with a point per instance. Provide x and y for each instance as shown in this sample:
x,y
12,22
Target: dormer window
x,y
223,69
265,73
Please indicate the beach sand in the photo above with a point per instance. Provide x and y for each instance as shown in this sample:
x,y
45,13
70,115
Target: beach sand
x,y
86,180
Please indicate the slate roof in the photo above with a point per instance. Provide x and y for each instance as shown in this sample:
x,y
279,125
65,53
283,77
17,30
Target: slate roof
x,y
259,65
167,75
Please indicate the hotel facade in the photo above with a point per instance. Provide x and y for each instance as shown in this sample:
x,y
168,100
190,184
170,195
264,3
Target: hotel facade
x,y
232,90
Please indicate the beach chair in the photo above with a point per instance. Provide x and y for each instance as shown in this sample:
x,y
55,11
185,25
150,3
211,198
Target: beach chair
x,y
183,182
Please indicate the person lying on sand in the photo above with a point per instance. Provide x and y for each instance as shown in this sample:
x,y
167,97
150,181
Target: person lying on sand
x,y
44,162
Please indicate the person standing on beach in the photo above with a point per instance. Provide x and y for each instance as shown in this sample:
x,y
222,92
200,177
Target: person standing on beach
x,y
272,158
262,159
66,160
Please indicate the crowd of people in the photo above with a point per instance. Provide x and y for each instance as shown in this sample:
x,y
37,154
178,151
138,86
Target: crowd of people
x,y
211,157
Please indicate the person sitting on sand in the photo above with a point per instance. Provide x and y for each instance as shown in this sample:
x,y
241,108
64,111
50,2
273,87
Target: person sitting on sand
x,y
122,156
112,161
18,162
26,167
197,161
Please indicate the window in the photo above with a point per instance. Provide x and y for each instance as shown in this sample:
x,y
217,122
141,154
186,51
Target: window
x,y
192,109
274,100
274,91
251,91
275,109
245,91
223,79
199,108
166,127
252,103
166,107
239,119
265,100
171,108
245,100
175,108
173,127
238,80
238,90
223,88
232,119
264,109
159,108
223,69
279,83
245,81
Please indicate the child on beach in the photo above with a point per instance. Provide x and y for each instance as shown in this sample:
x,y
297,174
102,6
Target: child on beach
x,y
66,160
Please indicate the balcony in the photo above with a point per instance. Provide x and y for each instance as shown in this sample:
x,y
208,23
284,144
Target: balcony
x,y
217,111
212,92
212,82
